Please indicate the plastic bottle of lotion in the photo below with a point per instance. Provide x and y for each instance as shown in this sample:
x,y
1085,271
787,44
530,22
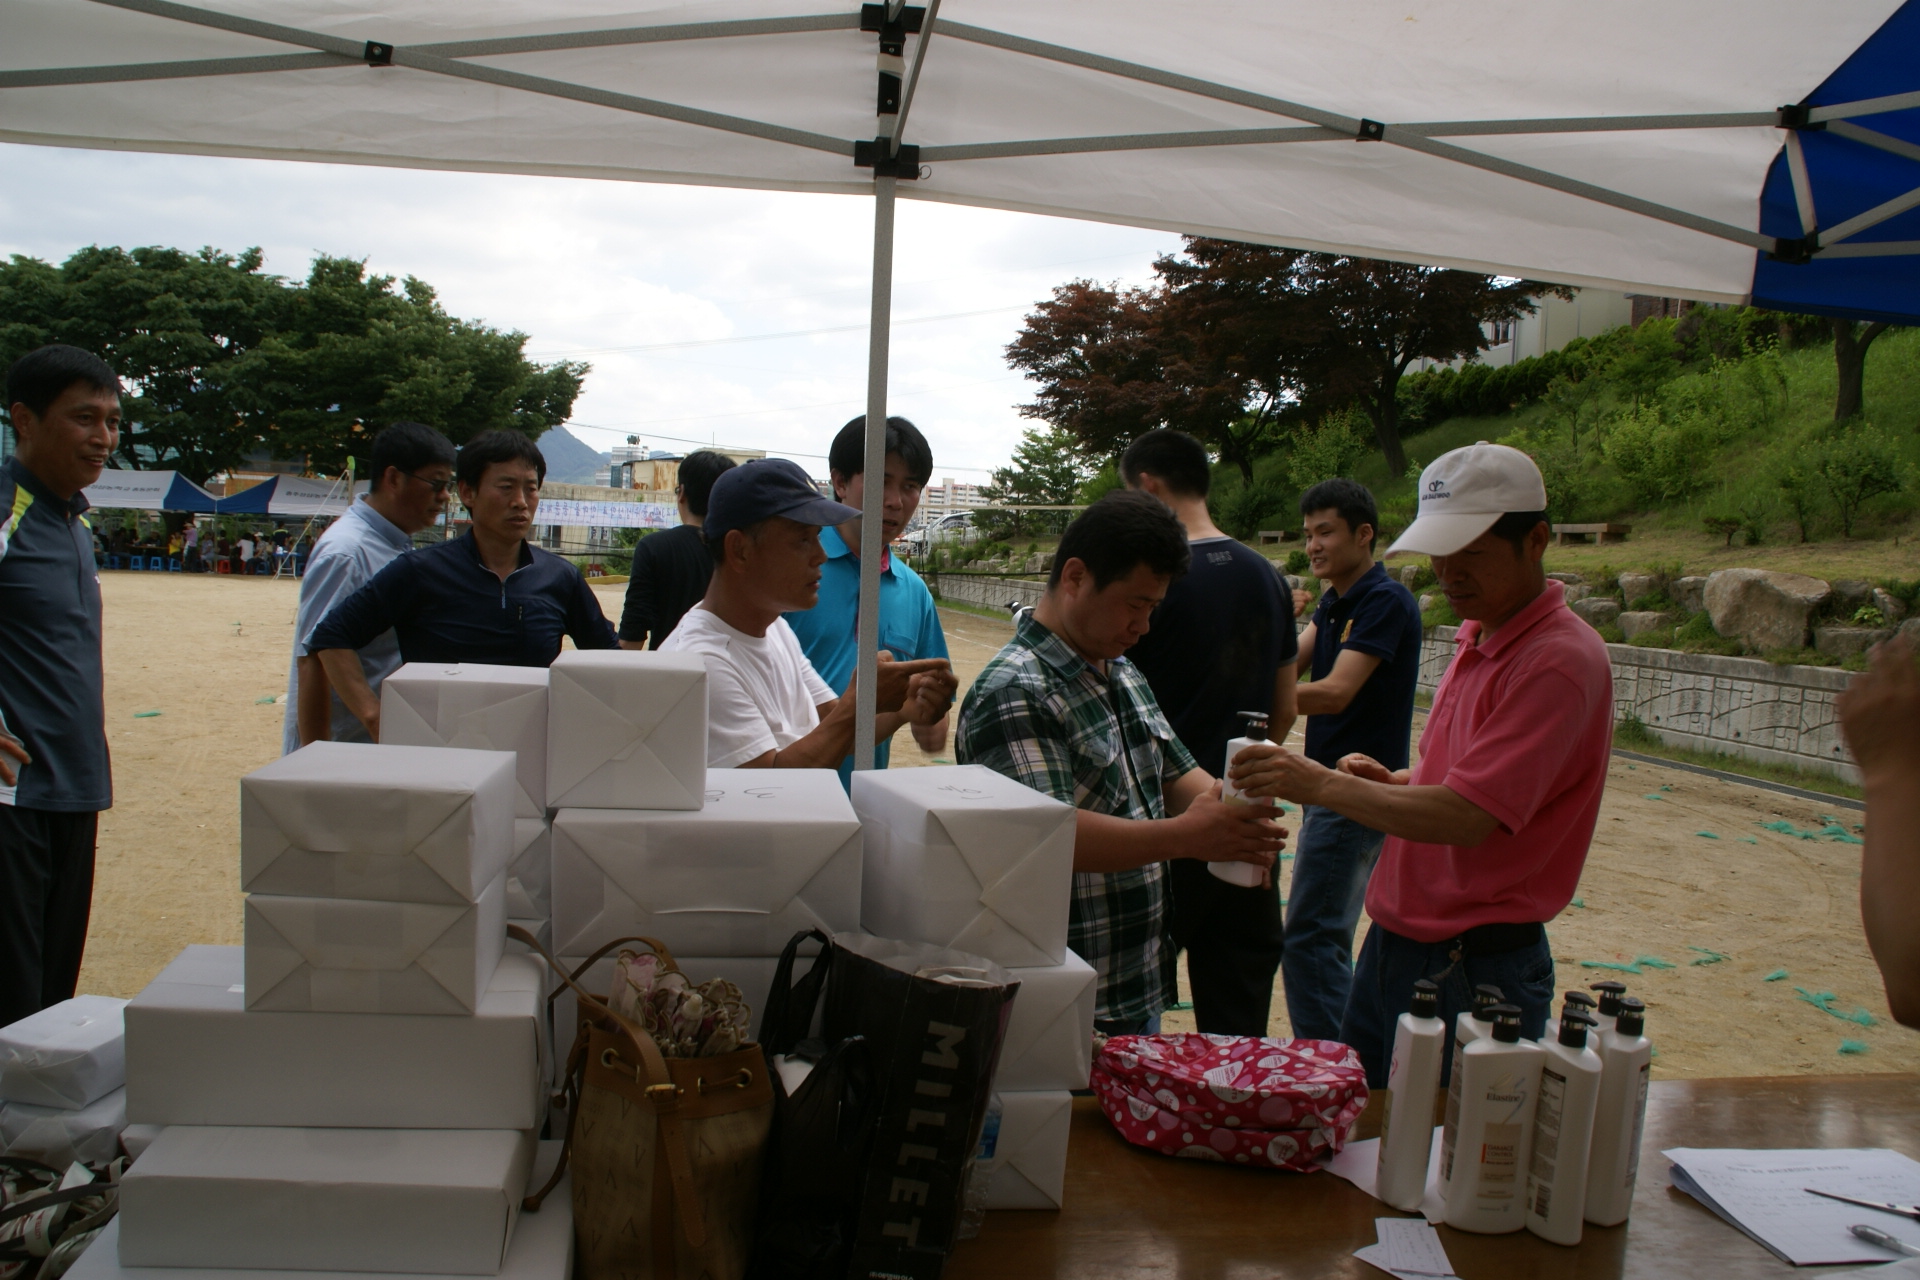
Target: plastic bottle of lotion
x,y
1473,1024
1563,1130
1244,874
1419,1045
1573,1002
1626,1060
1611,992
1487,1191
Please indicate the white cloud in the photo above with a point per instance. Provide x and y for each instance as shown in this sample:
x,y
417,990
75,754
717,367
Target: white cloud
x,y
593,270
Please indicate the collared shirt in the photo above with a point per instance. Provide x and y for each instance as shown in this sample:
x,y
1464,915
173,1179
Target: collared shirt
x,y
359,544
1377,616
445,605
909,623
51,687
1043,715
1521,726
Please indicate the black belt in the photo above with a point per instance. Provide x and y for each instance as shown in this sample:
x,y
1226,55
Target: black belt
x,y
1494,939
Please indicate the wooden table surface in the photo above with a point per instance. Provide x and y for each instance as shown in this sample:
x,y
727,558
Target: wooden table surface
x,y
1131,1213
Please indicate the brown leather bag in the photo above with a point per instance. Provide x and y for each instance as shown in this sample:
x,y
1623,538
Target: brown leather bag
x,y
666,1152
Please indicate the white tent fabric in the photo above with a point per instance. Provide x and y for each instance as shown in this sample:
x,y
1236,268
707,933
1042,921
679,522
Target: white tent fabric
x,y
148,491
300,496
1258,105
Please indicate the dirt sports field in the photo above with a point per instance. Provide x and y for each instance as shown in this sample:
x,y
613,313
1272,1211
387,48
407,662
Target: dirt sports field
x,y
1747,938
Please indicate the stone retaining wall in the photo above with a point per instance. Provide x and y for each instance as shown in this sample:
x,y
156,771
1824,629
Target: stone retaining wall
x,y
985,591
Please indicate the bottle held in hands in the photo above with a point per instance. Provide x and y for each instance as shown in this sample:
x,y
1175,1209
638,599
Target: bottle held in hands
x,y
1244,874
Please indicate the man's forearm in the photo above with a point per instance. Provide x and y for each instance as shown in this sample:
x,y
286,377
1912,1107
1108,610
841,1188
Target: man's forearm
x,y
830,742
1323,698
313,710
1428,814
1890,889
349,680
932,738
1102,842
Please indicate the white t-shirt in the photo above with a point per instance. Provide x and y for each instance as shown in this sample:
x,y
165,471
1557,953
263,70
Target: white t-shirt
x,y
762,693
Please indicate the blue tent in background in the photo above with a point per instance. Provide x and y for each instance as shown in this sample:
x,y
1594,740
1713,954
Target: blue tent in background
x,y
149,491
293,496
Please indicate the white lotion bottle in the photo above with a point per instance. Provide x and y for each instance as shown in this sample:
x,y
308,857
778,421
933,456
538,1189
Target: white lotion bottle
x,y
1406,1130
1611,992
1626,1062
1487,1190
1472,1024
1244,874
1573,1002
1563,1130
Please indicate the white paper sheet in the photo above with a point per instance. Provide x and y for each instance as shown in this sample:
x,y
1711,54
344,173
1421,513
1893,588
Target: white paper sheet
x,y
66,1055
479,707
1764,1194
1412,1248
1359,1163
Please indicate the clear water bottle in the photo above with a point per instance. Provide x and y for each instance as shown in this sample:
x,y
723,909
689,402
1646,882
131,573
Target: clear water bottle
x,y
973,1202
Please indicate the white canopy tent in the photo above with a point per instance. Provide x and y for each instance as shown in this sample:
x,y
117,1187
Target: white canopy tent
x,y
1638,145
148,491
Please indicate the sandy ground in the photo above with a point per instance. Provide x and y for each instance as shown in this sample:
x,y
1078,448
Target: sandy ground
x,y
204,652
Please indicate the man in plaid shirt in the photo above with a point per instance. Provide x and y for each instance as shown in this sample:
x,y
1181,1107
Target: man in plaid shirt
x,y
1060,710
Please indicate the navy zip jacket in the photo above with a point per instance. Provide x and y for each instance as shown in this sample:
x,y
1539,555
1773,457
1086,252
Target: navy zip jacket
x,y
444,605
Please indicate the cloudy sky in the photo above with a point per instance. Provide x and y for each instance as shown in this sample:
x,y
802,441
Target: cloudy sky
x,y
670,292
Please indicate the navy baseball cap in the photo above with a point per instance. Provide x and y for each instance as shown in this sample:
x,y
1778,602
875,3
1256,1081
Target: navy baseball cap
x,y
767,487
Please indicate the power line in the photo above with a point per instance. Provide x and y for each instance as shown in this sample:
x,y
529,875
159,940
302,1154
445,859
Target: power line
x,y
769,337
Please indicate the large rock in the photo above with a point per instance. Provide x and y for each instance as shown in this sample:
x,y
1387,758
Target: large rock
x,y
1852,594
1844,642
1599,611
1639,622
1763,607
1635,585
1689,593
1891,607
1577,591
1563,576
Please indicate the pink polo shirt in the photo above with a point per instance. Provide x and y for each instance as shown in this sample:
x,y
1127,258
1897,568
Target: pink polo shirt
x,y
1521,726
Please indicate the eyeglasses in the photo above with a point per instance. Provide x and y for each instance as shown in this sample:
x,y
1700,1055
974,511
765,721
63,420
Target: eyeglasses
x,y
438,486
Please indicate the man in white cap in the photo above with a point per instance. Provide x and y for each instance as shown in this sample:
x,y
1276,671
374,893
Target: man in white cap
x,y
1487,834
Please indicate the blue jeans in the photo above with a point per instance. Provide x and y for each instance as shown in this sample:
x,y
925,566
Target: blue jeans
x,y
1390,965
1148,1026
1331,862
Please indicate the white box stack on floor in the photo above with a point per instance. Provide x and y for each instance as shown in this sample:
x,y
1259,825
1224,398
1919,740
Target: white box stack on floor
x,y
61,1076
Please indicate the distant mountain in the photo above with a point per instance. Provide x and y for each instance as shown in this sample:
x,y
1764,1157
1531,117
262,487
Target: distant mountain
x,y
571,460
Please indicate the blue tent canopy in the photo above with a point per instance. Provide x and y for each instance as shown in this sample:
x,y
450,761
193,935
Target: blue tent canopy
x,y
148,491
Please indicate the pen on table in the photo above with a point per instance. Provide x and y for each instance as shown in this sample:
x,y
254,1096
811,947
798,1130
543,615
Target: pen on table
x,y
1874,1235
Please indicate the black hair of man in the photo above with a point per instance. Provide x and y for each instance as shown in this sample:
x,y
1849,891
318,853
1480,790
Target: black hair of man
x,y
1514,526
1176,458
848,456
698,471
43,375
1350,499
492,447
408,446
1120,532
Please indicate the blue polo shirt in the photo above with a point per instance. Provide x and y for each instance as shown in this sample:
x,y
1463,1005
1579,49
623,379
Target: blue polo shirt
x,y
1377,616
909,622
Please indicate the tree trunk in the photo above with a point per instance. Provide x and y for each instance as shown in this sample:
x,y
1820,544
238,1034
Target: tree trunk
x,y
1850,365
1383,407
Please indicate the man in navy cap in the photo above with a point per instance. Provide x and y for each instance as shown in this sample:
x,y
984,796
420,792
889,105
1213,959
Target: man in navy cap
x,y
766,705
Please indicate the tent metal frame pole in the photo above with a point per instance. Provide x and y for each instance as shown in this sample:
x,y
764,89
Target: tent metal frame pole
x,y
874,487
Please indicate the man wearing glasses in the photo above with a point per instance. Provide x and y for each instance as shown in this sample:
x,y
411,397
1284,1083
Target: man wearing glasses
x,y
410,470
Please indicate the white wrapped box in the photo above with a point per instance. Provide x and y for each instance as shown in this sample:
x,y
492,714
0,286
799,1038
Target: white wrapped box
x,y
1030,1155
391,824
342,955
773,852
476,706
196,1056
441,1200
540,929
66,1055
530,874
626,729
541,1247
962,857
1049,1043
59,1135
136,1138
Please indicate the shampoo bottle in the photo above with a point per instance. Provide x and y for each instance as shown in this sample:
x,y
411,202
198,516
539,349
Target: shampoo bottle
x,y
1244,874
1487,1190
1625,1062
1473,1024
1563,1130
1573,1002
1406,1131
1611,993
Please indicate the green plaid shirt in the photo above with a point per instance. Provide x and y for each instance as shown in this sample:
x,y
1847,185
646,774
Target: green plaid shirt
x,y
1042,715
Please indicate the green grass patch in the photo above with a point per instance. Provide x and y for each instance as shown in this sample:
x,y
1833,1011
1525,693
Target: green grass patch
x,y
977,610
1631,735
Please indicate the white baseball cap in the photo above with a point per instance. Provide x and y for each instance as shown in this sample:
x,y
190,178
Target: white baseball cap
x,y
1464,491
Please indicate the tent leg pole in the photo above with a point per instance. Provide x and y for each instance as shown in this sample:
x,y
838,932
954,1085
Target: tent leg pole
x,y
866,667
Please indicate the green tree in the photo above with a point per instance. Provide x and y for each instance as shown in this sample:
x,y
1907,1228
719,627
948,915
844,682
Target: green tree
x,y
1850,342
1855,465
1046,471
1331,449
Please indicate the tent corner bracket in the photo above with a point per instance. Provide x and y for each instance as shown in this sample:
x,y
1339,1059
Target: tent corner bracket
x,y
903,164
1798,251
1797,116
893,32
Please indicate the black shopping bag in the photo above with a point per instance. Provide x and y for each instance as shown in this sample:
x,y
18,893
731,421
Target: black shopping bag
x,y
933,1021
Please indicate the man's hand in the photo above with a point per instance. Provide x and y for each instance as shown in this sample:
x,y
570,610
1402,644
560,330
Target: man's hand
x,y
349,680
895,679
930,696
1269,770
1880,712
11,746
1216,831
1368,769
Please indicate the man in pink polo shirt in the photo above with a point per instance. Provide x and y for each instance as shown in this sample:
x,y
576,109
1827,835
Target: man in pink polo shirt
x,y
1487,834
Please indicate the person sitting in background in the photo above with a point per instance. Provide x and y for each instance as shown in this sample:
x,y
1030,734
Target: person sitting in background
x,y
671,568
487,596
1880,714
766,705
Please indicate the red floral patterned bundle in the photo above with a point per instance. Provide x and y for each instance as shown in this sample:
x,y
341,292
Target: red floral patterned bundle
x,y
1280,1104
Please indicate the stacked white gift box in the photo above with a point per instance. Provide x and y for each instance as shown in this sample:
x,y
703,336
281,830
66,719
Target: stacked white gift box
x,y
963,857
61,1076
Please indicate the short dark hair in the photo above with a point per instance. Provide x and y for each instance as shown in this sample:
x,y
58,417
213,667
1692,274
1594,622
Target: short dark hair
x,y
43,375
1351,499
1514,526
717,547
848,456
1118,533
408,446
490,447
698,471
1173,456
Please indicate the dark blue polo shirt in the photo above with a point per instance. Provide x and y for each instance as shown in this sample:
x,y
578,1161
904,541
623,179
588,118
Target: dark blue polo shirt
x,y
50,679
1377,616
444,605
